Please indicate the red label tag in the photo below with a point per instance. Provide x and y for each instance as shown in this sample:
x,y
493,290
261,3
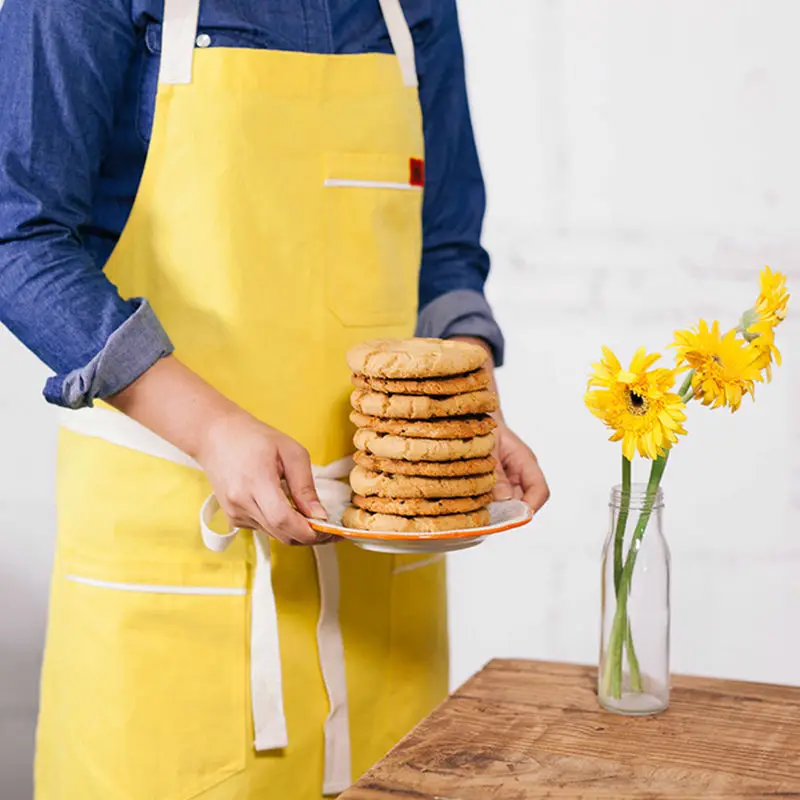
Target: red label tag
x,y
416,172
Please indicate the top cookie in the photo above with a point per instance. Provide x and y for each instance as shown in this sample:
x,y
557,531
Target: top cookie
x,y
415,358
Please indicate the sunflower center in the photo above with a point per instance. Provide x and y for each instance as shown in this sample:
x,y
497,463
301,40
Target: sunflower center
x,y
637,404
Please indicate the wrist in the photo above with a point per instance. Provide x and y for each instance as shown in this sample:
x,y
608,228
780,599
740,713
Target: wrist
x,y
211,427
177,404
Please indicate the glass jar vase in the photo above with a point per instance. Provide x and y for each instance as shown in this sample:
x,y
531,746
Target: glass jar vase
x,y
633,677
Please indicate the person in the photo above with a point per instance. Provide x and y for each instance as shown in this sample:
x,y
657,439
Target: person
x,y
203,205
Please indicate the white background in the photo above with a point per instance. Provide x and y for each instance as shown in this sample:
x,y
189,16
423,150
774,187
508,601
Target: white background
x,y
641,163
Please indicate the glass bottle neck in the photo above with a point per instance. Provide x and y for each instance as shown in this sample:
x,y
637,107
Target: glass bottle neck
x,y
637,498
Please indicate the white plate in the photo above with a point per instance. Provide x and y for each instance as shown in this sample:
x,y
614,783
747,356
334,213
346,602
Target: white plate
x,y
504,516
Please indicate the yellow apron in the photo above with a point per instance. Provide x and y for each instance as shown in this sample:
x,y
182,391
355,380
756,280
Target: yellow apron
x,y
278,222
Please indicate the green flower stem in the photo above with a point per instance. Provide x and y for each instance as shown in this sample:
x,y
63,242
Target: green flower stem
x,y
619,539
622,521
686,392
633,661
620,628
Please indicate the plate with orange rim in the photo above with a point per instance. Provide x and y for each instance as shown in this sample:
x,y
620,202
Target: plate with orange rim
x,y
504,516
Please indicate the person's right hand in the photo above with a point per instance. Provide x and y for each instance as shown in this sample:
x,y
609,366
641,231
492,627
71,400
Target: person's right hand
x,y
247,462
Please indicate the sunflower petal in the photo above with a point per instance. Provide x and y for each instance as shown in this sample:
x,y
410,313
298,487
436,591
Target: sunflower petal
x,y
611,360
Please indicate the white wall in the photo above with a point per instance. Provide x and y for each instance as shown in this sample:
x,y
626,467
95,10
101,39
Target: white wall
x,y
641,165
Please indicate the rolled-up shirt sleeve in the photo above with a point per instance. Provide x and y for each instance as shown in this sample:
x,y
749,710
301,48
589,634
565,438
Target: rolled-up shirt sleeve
x,y
454,264
62,72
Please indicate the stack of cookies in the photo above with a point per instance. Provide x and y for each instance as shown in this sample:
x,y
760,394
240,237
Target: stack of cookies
x,y
424,436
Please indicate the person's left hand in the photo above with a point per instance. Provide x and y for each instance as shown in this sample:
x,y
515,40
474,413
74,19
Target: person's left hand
x,y
518,473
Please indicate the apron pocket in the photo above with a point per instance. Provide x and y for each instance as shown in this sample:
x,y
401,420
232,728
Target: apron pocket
x,y
373,238
153,684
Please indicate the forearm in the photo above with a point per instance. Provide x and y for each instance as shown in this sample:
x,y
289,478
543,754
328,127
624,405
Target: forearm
x,y
175,403
245,460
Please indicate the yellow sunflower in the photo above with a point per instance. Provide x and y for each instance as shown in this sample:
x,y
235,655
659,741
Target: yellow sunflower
x,y
762,336
773,299
725,368
637,404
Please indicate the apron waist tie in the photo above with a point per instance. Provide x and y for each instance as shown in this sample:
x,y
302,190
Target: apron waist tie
x,y
266,683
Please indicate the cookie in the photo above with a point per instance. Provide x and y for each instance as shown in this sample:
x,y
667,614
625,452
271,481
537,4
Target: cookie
x,y
359,519
405,406
456,428
425,508
415,358
433,469
403,447
459,384
368,483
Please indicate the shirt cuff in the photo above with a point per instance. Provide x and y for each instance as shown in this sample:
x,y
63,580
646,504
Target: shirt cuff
x,y
462,312
129,352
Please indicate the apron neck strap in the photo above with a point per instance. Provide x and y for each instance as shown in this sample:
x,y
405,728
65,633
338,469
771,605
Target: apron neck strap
x,y
179,30
400,34
178,33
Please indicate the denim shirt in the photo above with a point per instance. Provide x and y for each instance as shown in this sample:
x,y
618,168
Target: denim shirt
x,y
78,80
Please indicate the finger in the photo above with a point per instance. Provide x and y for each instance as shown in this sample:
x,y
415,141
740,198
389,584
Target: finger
x,y
300,480
502,489
241,519
535,488
240,509
260,523
280,519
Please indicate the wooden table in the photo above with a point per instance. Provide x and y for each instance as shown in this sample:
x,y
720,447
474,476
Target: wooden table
x,y
522,729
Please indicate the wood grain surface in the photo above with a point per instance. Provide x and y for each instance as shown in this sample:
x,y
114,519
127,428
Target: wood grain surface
x,y
521,729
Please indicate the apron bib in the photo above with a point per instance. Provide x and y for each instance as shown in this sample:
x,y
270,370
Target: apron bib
x,y
278,223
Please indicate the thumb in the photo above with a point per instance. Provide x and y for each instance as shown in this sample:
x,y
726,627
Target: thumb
x,y
300,482
502,489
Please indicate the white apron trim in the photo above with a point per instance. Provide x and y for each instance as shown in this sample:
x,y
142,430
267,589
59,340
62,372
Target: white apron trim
x,y
349,183
337,776
266,679
402,42
179,31
425,562
157,588
116,428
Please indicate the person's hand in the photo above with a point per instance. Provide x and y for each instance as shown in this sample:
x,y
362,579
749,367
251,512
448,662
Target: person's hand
x,y
247,462
519,475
